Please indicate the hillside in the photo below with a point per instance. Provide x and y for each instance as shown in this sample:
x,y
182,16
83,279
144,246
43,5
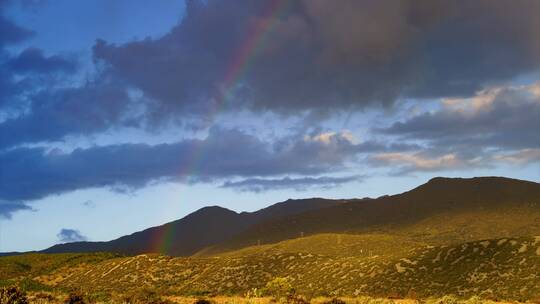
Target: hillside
x,y
506,268
442,211
205,227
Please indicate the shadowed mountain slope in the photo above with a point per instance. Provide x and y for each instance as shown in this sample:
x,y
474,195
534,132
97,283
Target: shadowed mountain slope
x,y
442,211
205,227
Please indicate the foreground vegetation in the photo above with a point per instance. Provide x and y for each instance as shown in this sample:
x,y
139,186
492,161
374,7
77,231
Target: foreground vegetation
x,y
503,269
14,295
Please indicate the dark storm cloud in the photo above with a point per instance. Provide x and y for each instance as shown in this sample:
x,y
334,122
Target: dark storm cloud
x,y
33,60
72,111
34,173
10,34
504,118
25,73
298,184
319,56
70,235
330,54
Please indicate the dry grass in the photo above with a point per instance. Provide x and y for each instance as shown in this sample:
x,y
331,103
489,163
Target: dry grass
x,y
59,298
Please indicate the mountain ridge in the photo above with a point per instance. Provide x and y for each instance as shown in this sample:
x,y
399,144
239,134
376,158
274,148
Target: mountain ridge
x,y
215,229
438,205
195,231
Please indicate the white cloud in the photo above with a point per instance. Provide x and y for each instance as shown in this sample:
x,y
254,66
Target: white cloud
x,y
330,137
520,157
419,162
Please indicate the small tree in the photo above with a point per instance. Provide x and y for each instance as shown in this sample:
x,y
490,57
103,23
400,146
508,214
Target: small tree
x,y
279,288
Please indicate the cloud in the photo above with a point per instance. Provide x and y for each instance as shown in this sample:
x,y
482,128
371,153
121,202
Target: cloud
x,y
414,162
7,208
327,55
10,33
33,173
24,74
70,111
70,235
521,157
32,60
89,204
298,184
316,56
503,117
224,155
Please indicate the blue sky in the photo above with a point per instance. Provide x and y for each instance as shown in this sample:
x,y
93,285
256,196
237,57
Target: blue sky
x,y
120,115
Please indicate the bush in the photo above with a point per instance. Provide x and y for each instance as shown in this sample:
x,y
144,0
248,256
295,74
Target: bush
x,y
202,301
145,297
295,299
335,301
279,288
43,297
448,299
474,300
75,298
254,293
12,295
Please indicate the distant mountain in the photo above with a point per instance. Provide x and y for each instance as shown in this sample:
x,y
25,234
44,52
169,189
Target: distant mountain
x,y
205,227
442,211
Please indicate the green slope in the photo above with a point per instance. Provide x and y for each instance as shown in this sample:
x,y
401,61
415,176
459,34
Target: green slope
x,y
506,269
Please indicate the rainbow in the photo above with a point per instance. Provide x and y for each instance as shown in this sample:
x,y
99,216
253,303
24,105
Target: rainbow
x,y
255,41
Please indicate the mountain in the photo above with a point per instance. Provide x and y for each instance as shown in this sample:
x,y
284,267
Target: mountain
x,y
442,211
205,227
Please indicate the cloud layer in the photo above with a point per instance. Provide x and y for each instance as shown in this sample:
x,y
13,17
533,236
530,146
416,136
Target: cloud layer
x,y
34,173
283,56
299,184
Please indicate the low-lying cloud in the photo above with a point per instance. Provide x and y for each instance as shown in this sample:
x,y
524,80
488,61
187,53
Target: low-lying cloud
x,y
298,184
70,235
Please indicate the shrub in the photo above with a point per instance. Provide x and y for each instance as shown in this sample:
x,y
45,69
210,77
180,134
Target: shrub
x,y
75,298
335,301
202,301
43,297
145,297
295,299
474,300
12,295
254,293
279,288
448,299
